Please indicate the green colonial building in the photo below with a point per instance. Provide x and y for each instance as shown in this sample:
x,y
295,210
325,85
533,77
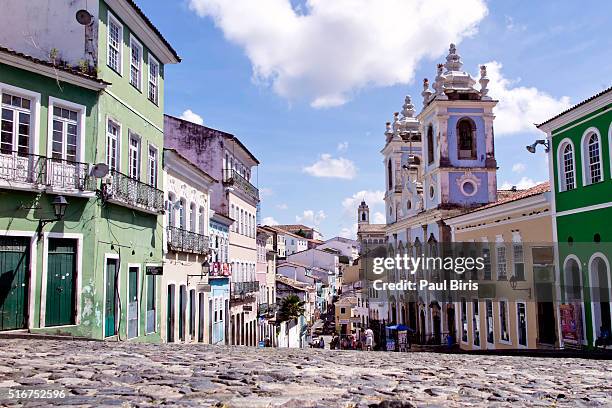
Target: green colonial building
x,y
81,198
580,166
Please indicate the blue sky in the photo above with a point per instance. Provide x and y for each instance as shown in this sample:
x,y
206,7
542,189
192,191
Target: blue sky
x,y
297,80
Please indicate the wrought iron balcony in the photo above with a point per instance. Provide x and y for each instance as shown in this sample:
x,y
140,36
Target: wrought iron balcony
x,y
124,190
181,240
241,289
24,170
232,177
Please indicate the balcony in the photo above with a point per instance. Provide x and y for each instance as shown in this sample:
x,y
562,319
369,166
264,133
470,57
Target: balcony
x,y
232,177
26,171
181,240
244,289
267,309
127,191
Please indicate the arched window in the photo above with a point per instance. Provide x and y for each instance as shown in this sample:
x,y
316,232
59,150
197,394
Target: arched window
x,y
363,216
171,210
202,221
466,139
430,145
192,218
390,174
591,154
182,221
567,176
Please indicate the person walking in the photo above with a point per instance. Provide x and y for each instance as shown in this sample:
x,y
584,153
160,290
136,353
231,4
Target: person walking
x,y
369,339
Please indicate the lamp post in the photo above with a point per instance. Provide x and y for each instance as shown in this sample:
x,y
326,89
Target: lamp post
x,y
532,147
60,204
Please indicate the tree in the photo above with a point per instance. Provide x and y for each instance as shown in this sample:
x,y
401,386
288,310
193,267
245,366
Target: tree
x,y
291,308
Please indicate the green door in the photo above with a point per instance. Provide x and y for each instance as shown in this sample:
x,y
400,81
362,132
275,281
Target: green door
x,y
110,296
61,279
14,261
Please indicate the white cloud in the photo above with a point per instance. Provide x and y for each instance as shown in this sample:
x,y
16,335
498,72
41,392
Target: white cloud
x,y
343,146
191,116
327,166
519,167
311,218
350,233
269,221
520,107
328,50
282,206
523,184
378,218
372,199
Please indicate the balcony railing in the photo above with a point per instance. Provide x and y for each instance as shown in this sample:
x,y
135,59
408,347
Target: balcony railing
x,y
231,176
181,240
126,190
240,289
37,172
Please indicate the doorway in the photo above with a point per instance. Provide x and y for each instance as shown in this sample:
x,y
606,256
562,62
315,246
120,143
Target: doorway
x,y
170,314
132,315
14,283
110,296
61,279
182,311
202,314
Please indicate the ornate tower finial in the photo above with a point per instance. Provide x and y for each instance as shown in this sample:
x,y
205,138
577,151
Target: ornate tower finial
x,y
388,131
408,108
453,60
484,81
438,85
426,92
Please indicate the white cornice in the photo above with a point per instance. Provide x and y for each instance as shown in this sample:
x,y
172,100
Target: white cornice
x,y
37,68
142,31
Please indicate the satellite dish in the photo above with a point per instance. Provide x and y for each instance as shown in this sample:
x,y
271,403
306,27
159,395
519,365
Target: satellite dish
x,y
83,17
99,170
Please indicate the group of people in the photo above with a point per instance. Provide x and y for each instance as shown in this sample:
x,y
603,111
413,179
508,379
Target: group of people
x,y
353,341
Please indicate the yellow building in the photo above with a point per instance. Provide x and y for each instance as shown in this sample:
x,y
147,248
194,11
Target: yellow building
x,y
514,307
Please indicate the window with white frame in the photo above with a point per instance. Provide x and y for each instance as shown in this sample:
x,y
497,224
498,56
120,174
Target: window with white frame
x,y
475,322
182,221
192,217
202,221
566,163
504,333
135,63
134,156
171,210
501,262
113,132
15,126
592,159
152,167
115,41
65,134
519,261
153,80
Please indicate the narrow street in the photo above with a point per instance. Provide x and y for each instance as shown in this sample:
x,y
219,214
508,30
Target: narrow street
x,y
103,373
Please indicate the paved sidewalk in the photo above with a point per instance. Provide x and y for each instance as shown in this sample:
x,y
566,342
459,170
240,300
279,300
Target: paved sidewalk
x,y
132,374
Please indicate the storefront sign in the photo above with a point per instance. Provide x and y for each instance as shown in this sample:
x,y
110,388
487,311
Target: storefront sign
x,y
155,270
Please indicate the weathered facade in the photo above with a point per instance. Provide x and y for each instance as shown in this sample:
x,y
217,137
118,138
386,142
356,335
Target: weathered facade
x,y
225,158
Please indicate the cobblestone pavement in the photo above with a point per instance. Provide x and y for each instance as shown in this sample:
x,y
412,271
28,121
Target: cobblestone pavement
x,y
131,374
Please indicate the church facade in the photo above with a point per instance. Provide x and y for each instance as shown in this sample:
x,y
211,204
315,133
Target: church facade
x,y
439,163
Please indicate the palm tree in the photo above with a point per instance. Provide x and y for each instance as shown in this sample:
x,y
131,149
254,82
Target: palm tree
x,y
291,308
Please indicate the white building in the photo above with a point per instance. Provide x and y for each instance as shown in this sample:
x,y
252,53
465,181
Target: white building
x,y
187,303
347,247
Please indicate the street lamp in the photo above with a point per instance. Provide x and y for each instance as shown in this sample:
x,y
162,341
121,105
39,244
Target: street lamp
x,y
60,204
532,147
205,267
59,207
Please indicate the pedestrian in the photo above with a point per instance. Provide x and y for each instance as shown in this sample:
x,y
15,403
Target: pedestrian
x,y
369,339
321,342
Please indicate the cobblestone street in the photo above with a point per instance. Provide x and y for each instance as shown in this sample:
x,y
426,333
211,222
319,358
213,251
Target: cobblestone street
x,y
97,373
